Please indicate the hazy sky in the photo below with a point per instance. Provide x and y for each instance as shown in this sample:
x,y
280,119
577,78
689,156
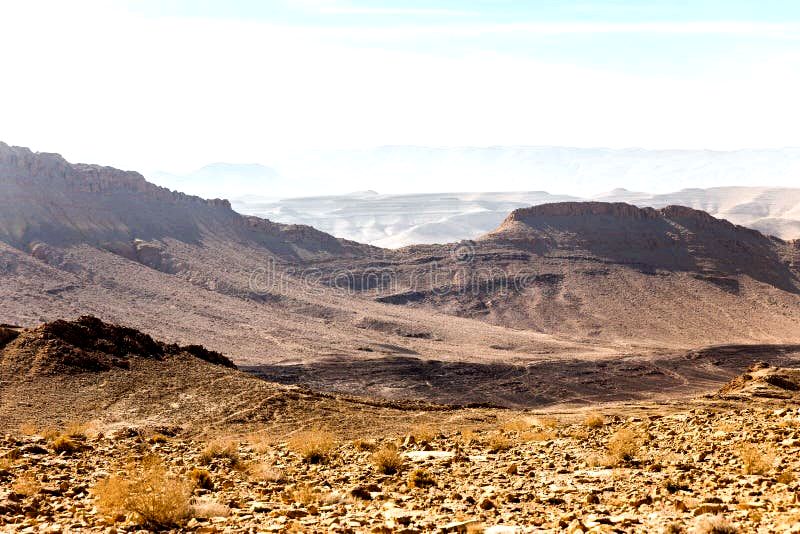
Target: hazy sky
x,y
174,85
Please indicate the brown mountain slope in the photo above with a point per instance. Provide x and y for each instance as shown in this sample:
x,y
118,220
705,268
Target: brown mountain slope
x,y
549,309
45,199
672,277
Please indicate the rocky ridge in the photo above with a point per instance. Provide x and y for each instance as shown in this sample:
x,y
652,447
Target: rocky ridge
x,y
45,199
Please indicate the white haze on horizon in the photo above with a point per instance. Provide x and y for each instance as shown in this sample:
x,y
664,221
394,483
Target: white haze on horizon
x,y
558,170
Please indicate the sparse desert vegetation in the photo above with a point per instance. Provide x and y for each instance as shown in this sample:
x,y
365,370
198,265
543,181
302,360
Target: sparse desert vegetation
x,y
687,477
755,460
226,450
387,460
624,445
594,420
314,446
154,497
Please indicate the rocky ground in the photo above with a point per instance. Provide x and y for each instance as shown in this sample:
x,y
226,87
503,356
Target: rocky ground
x,y
715,464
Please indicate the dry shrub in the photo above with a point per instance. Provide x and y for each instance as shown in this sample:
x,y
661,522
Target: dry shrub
x,y
715,525
424,433
314,446
420,478
64,444
387,460
265,472
202,479
624,445
77,429
221,450
546,422
594,420
205,507
26,485
754,460
153,496
498,443
517,424
673,528
364,445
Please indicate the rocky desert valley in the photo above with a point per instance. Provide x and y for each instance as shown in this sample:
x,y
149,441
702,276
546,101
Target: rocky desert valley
x,y
168,364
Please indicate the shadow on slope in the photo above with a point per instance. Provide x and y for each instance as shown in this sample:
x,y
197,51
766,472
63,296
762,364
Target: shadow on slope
x,y
535,384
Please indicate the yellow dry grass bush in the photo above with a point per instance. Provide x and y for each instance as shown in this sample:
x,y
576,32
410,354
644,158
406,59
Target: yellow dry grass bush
x,y
64,444
262,471
550,423
420,478
222,449
424,432
624,445
498,443
755,461
314,446
152,496
387,460
364,445
77,429
594,420
517,424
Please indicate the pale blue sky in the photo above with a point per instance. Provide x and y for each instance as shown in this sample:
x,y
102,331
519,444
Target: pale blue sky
x,y
172,85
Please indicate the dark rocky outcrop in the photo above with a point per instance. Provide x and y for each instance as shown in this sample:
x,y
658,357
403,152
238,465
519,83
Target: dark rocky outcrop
x,y
88,344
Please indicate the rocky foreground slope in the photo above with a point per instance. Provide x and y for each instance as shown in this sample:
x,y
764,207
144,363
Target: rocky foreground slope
x,y
170,441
